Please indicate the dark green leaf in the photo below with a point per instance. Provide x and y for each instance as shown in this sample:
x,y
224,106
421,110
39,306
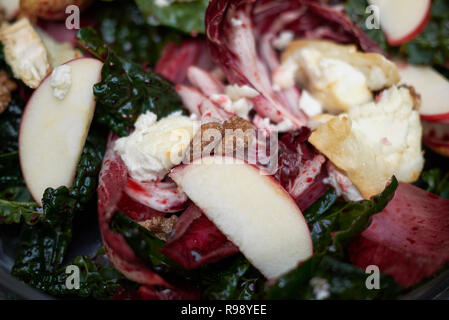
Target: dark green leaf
x,y
42,247
96,280
321,206
239,281
124,29
185,16
10,174
144,244
435,182
324,277
10,123
332,229
15,212
126,90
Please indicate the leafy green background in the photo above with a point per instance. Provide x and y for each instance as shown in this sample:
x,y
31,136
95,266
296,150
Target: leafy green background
x,y
184,16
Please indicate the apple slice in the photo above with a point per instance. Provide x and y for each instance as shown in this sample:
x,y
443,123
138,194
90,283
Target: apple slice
x,y
251,209
433,88
403,20
436,136
10,8
53,131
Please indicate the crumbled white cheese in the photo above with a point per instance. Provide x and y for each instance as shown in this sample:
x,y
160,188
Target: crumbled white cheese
x,y
236,92
339,76
61,80
320,288
241,107
236,99
337,84
283,40
24,52
155,146
309,104
284,75
283,126
375,141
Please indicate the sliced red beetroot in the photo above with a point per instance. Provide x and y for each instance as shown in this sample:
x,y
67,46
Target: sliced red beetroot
x,y
409,239
112,180
197,241
135,210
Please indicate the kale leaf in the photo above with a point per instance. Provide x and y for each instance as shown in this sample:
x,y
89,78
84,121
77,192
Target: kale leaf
x,y
334,227
436,182
126,89
144,244
239,281
10,174
10,123
187,17
124,29
42,247
97,280
325,277
15,212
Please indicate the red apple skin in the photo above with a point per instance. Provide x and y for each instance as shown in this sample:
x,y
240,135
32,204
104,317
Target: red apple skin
x,y
51,9
414,33
39,201
443,117
440,143
440,148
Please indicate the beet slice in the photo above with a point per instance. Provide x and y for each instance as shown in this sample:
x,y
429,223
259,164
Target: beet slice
x,y
112,180
197,241
409,239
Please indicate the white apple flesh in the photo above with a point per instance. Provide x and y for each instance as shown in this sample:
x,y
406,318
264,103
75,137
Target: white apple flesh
x,y
53,132
433,88
251,209
402,20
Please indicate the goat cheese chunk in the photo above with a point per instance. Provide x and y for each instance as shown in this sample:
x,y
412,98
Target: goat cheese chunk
x,y
311,106
61,80
374,141
339,76
155,146
337,84
236,99
24,52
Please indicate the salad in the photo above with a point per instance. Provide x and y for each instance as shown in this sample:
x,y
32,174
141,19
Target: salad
x,y
224,149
